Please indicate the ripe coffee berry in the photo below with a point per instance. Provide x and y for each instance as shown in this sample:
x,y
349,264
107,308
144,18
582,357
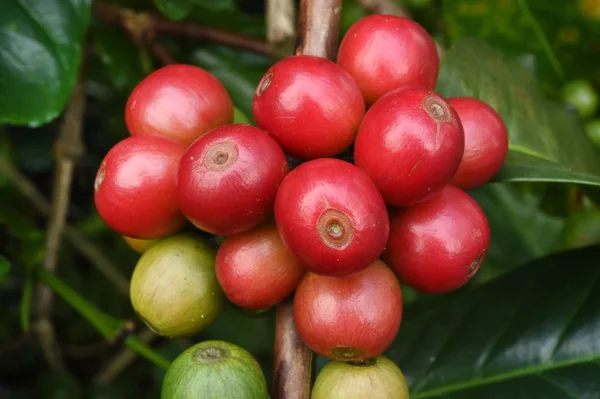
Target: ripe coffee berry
x,y
310,105
255,269
178,101
228,179
349,318
410,143
486,142
331,216
384,52
134,191
437,246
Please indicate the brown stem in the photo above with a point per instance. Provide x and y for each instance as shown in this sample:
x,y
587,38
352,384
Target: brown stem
x,y
294,363
281,29
69,148
86,247
162,53
123,17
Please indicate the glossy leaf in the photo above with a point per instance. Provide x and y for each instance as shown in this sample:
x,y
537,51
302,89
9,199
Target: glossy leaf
x,y
533,333
40,49
174,9
547,142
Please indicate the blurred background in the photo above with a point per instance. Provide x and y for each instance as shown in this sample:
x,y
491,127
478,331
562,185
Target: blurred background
x,y
557,42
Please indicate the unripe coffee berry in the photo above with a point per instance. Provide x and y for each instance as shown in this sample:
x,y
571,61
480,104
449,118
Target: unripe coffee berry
x,y
174,289
309,105
437,246
486,142
410,143
214,370
228,179
178,101
384,52
349,318
255,269
377,378
331,216
134,191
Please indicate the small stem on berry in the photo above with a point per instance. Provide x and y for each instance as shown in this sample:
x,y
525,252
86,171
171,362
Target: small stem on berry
x,y
390,7
162,53
294,366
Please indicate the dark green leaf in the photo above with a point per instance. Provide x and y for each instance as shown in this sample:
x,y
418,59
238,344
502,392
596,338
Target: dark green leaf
x,y
25,308
174,9
521,232
40,48
547,143
4,268
238,71
533,333
216,5
239,117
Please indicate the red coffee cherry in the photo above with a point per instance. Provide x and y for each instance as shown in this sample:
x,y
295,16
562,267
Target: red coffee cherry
x,y
134,190
410,143
384,52
178,101
349,318
255,269
486,142
437,246
331,216
228,179
310,105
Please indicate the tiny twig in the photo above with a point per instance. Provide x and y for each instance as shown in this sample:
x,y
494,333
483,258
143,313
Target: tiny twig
x,y
122,360
281,30
389,7
293,374
86,247
162,53
155,24
69,148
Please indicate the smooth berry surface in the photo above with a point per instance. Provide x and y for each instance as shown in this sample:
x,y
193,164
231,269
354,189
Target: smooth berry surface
x,y
228,179
351,318
178,101
438,246
410,143
384,52
134,191
255,269
331,216
486,142
310,105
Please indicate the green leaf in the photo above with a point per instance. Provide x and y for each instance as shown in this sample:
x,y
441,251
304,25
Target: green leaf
x,y
533,333
174,9
4,268
239,72
239,116
521,232
547,143
26,297
216,5
40,49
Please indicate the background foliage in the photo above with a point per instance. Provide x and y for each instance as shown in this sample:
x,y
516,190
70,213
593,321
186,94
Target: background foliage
x,y
527,327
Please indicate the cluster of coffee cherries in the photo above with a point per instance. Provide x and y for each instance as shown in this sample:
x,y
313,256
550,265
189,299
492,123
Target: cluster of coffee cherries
x,y
351,182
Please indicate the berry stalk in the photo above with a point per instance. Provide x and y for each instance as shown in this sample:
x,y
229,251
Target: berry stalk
x,y
293,374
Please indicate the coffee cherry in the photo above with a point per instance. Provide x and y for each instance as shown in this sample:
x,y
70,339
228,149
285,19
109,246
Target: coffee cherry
x,y
410,143
139,246
486,142
349,318
378,378
228,179
384,52
178,101
214,370
255,269
173,287
310,105
437,246
331,216
134,190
